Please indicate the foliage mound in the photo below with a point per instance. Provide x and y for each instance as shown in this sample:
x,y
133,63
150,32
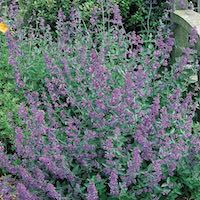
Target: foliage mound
x,y
140,15
110,119
9,99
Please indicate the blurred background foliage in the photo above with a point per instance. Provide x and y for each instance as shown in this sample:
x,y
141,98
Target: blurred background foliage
x,y
138,15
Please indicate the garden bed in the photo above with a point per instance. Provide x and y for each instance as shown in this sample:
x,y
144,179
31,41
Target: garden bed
x,y
99,113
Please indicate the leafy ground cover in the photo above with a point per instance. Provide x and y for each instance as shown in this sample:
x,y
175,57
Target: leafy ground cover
x,y
102,115
9,99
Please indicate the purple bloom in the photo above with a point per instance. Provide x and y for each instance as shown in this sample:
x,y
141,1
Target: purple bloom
x,y
51,192
22,112
116,96
193,37
60,21
135,164
27,178
108,146
92,193
13,9
51,166
164,118
14,52
113,183
133,167
158,170
23,193
19,141
137,159
117,18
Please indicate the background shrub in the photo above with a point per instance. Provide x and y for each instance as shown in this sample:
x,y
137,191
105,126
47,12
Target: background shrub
x,y
9,98
139,15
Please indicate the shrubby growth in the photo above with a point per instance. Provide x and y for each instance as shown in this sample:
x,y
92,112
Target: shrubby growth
x,y
138,14
9,100
111,117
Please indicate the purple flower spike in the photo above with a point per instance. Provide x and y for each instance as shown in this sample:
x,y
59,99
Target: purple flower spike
x,y
92,193
23,193
113,184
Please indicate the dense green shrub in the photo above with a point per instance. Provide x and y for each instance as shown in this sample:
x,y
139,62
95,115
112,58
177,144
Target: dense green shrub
x,y
9,99
47,9
140,15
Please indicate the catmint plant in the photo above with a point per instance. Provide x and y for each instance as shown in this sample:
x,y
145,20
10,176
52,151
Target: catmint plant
x,y
110,120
